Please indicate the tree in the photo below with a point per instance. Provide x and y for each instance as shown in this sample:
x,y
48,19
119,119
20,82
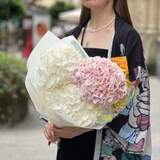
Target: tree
x,y
58,7
10,9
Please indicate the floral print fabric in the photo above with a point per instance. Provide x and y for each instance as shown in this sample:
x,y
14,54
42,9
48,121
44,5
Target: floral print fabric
x,y
132,141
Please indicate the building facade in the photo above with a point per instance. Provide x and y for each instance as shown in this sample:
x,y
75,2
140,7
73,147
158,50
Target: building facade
x,y
146,18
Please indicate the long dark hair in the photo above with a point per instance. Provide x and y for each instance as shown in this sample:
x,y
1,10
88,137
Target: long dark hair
x,y
120,7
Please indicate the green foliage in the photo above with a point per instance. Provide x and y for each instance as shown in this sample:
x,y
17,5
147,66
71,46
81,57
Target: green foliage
x,y
59,7
13,95
11,9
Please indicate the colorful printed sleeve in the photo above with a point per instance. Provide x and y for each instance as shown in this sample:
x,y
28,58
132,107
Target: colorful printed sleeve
x,y
130,130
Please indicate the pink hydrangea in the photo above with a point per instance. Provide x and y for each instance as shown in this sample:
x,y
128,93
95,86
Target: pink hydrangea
x,y
100,81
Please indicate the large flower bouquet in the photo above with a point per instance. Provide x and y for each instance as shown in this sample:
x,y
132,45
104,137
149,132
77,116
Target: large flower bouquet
x,y
71,89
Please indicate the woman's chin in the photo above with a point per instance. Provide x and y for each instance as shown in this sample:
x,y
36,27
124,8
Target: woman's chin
x,y
93,3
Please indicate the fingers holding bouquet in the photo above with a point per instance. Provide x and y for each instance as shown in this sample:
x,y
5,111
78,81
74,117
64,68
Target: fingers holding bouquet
x,y
53,133
69,132
49,133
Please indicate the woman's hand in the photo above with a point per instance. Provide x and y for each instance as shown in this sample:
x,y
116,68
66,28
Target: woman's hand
x,y
49,133
69,132
53,133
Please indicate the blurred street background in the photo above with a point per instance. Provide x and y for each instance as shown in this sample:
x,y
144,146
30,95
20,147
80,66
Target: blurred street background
x,y
22,24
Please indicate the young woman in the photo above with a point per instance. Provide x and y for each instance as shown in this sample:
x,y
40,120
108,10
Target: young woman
x,y
106,30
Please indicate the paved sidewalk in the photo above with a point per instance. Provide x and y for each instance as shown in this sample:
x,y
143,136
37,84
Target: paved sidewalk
x,y
155,117
26,141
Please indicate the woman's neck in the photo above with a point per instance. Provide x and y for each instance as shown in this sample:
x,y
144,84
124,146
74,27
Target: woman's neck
x,y
101,16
